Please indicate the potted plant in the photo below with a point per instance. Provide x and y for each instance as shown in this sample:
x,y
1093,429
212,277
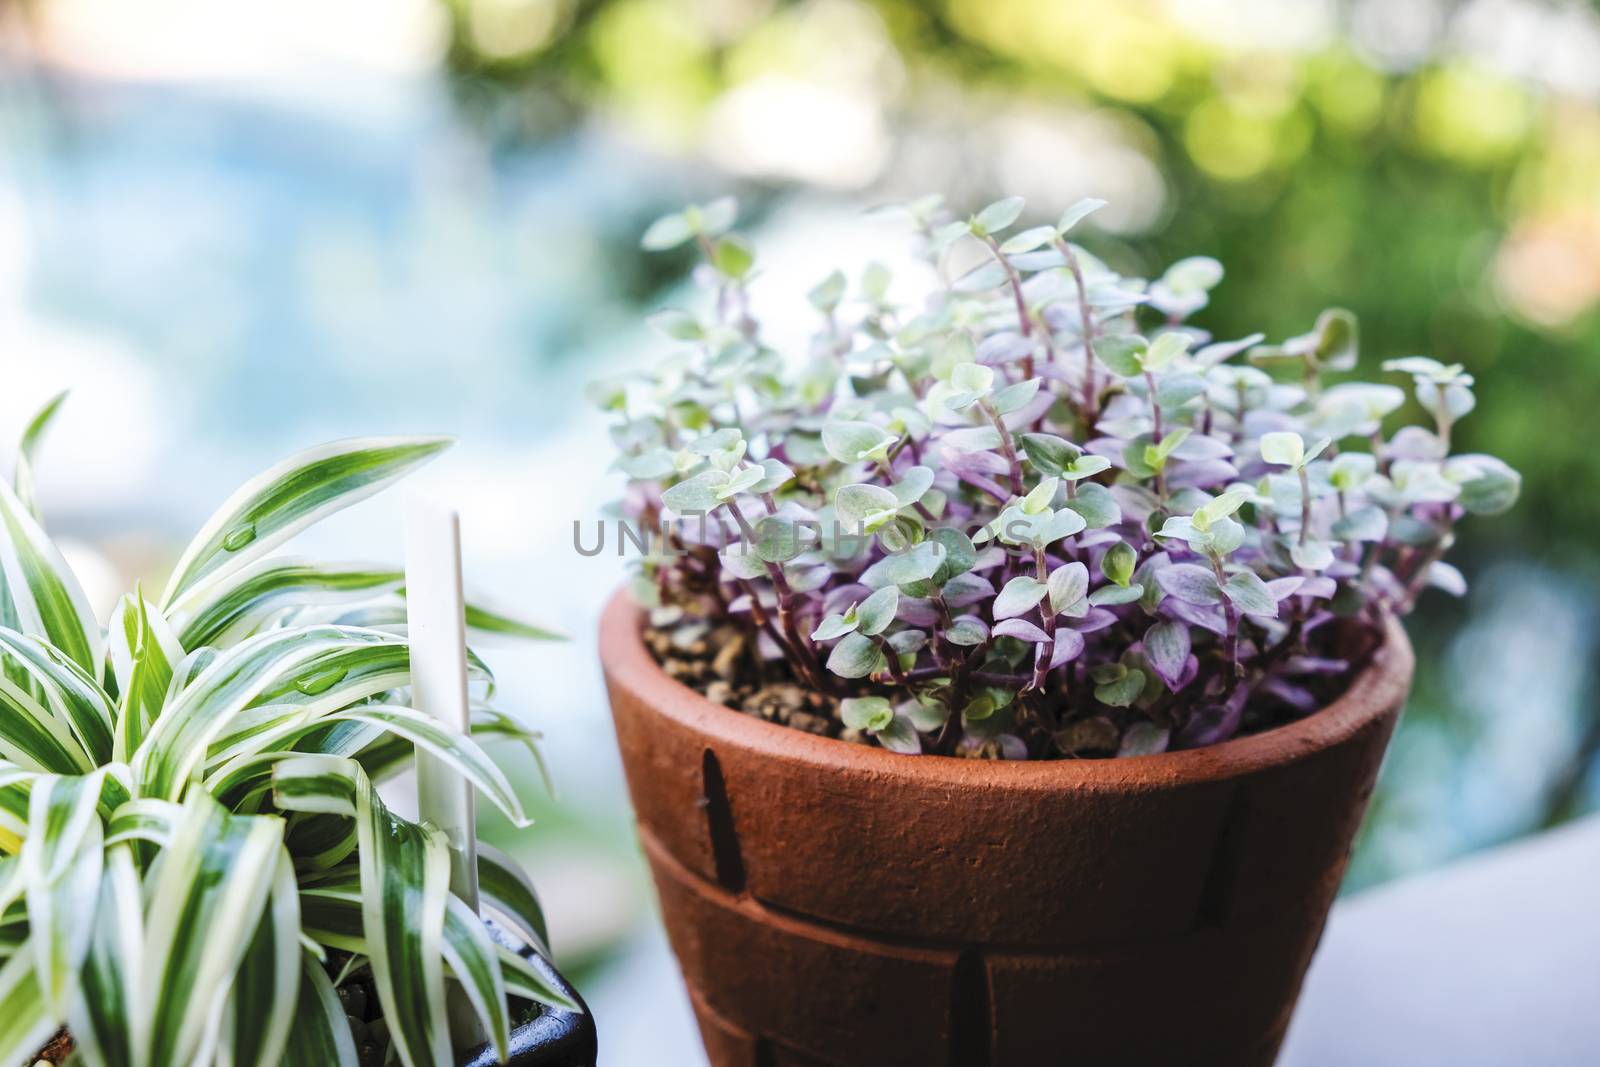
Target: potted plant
x,y
1009,671
195,864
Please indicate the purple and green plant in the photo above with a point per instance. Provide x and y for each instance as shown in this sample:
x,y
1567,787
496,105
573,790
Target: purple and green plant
x,y
1034,510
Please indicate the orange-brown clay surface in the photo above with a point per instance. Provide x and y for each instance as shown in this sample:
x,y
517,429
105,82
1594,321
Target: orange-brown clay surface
x,y
835,905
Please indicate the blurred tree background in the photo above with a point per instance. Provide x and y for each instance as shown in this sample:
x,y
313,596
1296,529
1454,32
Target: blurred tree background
x,y
1434,166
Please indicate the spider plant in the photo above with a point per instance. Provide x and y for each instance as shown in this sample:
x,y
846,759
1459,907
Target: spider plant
x,y
193,854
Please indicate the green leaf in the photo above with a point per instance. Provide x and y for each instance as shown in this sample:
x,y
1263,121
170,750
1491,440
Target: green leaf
x,y
1123,691
270,668
267,985
676,325
279,503
1285,448
877,611
471,955
855,657
826,294
1165,349
866,713
25,452
1095,504
998,215
960,554
1068,584
60,691
143,651
835,626
320,1033
1017,396
1119,562
1048,453
1028,240
865,506
1488,486
43,593
1250,594
733,258
696,495
505,887
854,442
1110,596
405,872
61,863
26,1021
1077,213
107,1020
1123,353
669,231
1019,596
212,885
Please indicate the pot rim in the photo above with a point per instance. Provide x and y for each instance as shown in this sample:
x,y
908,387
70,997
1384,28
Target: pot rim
x,y
1379,687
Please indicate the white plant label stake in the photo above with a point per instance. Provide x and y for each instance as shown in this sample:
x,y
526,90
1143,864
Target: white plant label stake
x,y
436,617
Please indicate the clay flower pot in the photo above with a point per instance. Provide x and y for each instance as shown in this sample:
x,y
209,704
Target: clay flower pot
x,y
834,904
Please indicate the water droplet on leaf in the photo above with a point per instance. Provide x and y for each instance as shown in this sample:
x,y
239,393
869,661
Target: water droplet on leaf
x,y
238,537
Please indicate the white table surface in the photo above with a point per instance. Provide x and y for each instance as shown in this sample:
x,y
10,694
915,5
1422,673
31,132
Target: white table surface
x,y
1491,961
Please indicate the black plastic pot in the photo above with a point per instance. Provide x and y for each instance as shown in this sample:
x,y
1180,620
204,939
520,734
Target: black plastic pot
x,y
546,1037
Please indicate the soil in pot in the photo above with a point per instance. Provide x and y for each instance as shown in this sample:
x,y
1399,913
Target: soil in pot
x,y
721,662
836,905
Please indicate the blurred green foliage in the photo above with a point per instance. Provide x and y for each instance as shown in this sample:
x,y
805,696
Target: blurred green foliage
x,y
1400,159
1454,208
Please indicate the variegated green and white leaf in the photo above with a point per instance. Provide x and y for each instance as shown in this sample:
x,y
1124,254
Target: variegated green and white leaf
x,y
43,593
144,819
235,609
405,872
33,738
505,887
105,1018
268,982
474,960
31,436
72,697
321,1034
26,1022
525,980
62,859
206,901
144,651
280,502
313,670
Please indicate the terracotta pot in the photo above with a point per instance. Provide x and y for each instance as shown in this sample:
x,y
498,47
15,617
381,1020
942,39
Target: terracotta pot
x,y
834,904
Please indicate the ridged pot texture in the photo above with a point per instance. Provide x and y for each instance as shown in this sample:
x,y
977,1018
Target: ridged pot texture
x,y
837,905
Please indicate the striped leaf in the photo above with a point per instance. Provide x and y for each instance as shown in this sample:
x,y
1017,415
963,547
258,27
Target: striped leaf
x,y
44,595
405,873
33,738
62,859
105,1019
268,983
238,607
144,651
73,698
320,1034
505,887
474,960
315,670
280,502
206,901
26,1022
31,436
